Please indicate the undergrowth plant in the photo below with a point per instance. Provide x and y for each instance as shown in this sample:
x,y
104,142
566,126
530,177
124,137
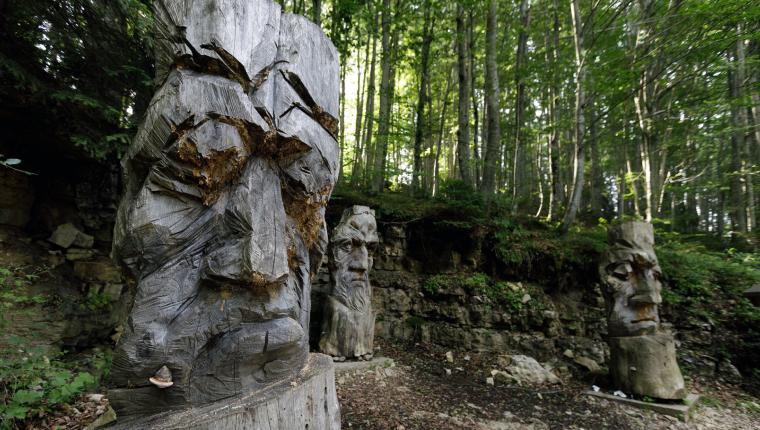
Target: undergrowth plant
x,y
33,380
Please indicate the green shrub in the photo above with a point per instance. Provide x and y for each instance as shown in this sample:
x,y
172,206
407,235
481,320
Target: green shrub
x,y
522,248
14,282
506,295
32,383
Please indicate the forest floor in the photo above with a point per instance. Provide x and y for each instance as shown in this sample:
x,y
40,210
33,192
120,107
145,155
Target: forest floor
x,y
416,393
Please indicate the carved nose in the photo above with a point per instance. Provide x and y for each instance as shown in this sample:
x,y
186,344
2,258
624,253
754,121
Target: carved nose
x,y
253,249
647,290
359,259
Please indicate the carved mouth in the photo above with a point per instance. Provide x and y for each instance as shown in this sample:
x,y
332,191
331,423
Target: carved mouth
x,y
644,320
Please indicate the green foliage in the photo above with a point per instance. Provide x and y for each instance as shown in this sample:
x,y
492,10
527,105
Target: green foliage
x,y
390,205
14,283
32,383
505,295
79,73
462,198
697,279
94,301
520,247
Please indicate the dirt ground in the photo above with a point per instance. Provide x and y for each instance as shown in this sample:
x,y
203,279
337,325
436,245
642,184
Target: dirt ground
x,y
417,393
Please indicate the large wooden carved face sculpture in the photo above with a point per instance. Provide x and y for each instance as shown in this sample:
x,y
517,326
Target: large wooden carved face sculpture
x,y
222,223
631,276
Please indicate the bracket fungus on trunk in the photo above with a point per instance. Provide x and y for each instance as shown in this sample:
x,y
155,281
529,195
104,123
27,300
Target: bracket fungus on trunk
x,y
222,220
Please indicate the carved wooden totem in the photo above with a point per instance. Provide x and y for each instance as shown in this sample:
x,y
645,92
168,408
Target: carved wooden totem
x,y
642,357
222,221
349,326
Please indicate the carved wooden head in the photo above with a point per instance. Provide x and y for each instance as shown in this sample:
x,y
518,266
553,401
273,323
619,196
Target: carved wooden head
x,y
222,221
352,247
631,276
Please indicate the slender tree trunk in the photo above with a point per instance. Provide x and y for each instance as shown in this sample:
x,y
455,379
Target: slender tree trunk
x,y
316,12
557,188
391,94
580,103
421,132
519,159
595,192
718,173
738,210
463,130
370,112
445,103
342,120
360,89
383,122
475,144
493,136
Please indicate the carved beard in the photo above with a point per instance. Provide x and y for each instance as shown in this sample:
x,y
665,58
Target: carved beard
x,y
352,289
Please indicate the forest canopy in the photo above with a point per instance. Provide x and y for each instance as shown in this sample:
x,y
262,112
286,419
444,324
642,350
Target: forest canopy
x,y
553,109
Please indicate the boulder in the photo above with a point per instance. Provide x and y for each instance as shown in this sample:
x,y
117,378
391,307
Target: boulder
x,y
590,365
67,235
76,254
526,370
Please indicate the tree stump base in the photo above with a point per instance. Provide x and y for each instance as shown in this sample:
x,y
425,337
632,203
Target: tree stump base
x,y
306,401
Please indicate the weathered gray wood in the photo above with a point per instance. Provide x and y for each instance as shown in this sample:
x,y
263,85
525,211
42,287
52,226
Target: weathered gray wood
x,y
349,324
642,360
307,401
222,220
680,411
646,365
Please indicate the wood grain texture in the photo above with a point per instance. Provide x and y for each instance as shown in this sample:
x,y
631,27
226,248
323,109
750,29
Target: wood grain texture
x,y
222,220
309,404
348,329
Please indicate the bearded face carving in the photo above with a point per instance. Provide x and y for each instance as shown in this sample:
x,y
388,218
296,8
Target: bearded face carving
x,y
222,222
632,275
348,330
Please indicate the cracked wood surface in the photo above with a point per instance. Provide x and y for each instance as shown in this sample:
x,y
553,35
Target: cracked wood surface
x,y
222,220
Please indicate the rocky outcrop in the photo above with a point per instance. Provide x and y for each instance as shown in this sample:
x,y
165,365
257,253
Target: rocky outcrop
x,y
408,307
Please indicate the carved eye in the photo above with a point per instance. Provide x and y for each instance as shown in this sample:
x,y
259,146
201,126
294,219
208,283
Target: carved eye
x,y
345,247
621,272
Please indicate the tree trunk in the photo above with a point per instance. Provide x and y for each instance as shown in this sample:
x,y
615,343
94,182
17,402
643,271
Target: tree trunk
x,y
421,132
383,121
342,120
596,183
316,12
519,159
493,136
477,165
738,209
370,112
445,103
463,129
580,103
557,189
360,90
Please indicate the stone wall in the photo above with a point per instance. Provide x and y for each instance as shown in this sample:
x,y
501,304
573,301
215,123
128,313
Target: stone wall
x,y
545,326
